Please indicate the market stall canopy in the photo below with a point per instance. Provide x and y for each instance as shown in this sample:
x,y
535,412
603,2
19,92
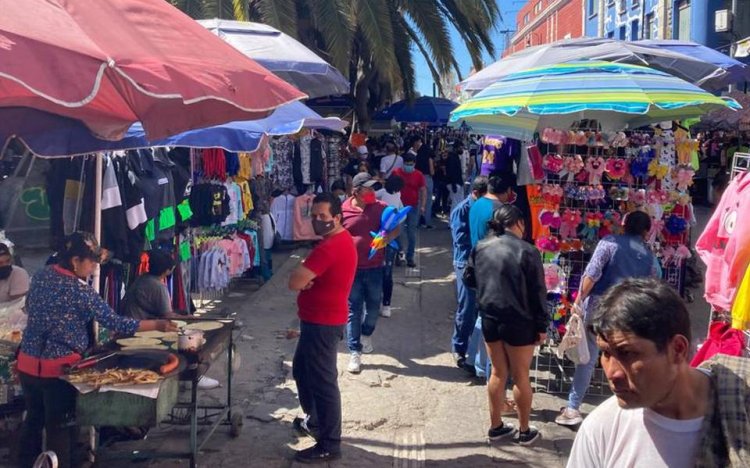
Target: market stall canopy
x,y
709,71
430,110
110,64
50,135
617,95
283,55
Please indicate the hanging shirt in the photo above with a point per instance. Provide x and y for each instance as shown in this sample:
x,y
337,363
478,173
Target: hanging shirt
x,y
303,229
282,209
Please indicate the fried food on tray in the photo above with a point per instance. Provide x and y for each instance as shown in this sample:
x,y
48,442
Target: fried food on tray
x,y
114,377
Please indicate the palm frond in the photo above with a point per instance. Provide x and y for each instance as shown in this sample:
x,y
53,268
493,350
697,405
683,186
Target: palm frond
x,y
192,8
432,27
240,9
416,40
281,14
484,20
403,52
333,20
465,28
374,21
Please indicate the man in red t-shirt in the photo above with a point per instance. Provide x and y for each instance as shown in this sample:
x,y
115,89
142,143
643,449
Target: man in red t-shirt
x,y
413,194
362,216
324,280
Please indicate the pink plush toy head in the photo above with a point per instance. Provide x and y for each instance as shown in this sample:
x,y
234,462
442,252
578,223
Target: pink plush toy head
x,y
617,168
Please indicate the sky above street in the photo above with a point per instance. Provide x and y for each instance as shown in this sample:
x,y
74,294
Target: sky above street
x,y
508,9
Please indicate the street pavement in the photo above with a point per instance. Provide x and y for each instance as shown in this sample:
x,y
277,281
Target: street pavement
x,y
410,406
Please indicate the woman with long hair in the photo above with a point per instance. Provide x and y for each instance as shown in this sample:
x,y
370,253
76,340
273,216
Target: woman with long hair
x,y
511,297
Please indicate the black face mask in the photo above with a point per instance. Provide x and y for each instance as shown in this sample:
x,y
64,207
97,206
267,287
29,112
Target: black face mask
x,y
322,228
5,271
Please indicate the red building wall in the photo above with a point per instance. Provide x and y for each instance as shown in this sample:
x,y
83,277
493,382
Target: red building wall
x,y
544,21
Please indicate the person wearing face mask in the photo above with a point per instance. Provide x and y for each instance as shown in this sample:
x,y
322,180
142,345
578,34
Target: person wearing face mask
x,y
508,275
323,280
61,306
362,216
414,194
14,280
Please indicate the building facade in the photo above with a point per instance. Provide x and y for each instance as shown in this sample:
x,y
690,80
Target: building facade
x,y
695,21
544,21
628,20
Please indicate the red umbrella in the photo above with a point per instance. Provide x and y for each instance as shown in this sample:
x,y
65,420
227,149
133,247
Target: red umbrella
x,y
112,63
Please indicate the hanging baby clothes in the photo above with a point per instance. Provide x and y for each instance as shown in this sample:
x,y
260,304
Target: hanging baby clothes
x,y
236,211
333,162
282,210
214,164
247,196
303,229
281,174
317,162
246,169
304,151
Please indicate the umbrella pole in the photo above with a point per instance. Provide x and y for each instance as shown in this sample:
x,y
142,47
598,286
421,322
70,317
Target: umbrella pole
x,y
98,210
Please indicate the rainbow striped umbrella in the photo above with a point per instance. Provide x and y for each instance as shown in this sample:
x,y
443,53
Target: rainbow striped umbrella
x,y
617,95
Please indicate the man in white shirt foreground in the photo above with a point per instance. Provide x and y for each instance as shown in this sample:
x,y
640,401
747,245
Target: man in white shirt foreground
x,y
664,413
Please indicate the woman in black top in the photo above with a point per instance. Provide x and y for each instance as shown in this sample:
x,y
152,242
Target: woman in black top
x,y
511,297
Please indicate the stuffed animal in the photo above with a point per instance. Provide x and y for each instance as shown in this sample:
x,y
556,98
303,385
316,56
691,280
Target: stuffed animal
x,y
570,221
595,167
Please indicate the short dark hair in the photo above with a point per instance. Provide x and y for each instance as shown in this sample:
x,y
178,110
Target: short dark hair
x,y
649,308
160,262
338,184
391,147
479,185
333,202
504,217
394,184
637,223
499,184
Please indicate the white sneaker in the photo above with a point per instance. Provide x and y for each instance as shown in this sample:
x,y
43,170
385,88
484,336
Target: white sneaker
x,y
385,311
569,417
366,342
207,383
355,363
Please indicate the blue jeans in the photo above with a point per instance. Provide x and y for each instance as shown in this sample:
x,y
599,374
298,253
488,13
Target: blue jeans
x,y
582,375
364,305
430,186
266,266
476,353
409,233
390,257
466,313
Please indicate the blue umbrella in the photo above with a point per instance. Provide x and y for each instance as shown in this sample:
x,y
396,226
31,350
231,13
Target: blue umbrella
x,y
50,135
431,110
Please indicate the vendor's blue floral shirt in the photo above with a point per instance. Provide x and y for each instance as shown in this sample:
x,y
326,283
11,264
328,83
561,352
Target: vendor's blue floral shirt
x,y
59,309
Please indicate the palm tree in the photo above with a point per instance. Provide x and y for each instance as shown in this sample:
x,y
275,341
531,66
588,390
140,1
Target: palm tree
x,y
373,41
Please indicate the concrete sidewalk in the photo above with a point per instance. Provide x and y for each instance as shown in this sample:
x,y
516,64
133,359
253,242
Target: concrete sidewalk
x,y
410,406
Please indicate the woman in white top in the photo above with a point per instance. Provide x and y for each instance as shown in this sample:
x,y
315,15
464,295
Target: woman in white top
x,y
391,196
390,161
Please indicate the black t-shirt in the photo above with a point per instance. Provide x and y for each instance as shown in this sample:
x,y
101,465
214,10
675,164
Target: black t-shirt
x,y
423,159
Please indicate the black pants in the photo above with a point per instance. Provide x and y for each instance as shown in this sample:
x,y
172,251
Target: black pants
x,y
314,370
50,406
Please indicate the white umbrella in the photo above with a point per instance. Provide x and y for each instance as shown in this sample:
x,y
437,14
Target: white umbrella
x,y
283,55
691,69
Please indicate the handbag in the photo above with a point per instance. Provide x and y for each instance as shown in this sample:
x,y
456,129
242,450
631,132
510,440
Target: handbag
x,y
469,275
574,344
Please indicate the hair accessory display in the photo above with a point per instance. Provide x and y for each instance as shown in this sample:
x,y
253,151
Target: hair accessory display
x,y
595,167
685,176
618,140
657,170
638,197
592,223
639,166
550,219
571,245
595,194
572,165
554,278
611,223
548,244
553,163
675,224
570,221
658,197
552,193
657,226
617,168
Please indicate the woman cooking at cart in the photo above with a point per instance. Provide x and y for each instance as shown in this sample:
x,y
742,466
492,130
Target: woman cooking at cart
x,y
60,307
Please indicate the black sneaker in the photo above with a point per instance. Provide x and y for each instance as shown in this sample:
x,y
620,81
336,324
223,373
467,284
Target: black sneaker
x,y
315,454
501,432
429,226
527,437
300,425
411,264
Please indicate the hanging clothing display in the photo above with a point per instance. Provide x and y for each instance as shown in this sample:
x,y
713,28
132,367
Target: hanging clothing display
x,y
303,229
283,152
210,203
282,210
